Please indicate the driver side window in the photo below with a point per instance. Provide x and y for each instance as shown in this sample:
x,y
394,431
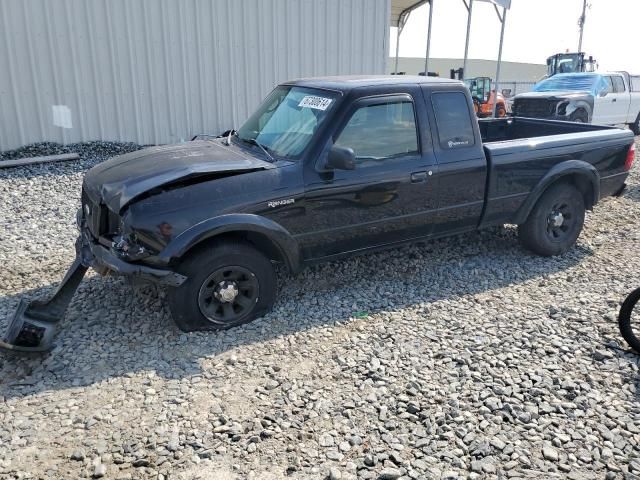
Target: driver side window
x,y
381,131
608,85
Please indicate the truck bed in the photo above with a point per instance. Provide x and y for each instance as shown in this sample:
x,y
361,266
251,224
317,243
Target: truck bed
x,y
519,128
521,151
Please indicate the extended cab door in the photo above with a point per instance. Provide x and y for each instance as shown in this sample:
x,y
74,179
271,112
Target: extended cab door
x,y
612,105
389,196
462,166
621,99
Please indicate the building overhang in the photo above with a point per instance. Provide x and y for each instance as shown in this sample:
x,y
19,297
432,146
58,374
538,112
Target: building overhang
x,y
401,9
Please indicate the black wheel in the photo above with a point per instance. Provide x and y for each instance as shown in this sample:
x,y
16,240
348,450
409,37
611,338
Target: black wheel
x,y
635,126
228,284
629,318
554,224
579,116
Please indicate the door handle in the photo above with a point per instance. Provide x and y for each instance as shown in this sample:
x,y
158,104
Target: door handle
x,y
614,100
418,177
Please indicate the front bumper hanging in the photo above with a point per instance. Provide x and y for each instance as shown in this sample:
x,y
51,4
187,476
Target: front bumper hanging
x,y
33,325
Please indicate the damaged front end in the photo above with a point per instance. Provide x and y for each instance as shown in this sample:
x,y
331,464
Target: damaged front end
x,y
33,325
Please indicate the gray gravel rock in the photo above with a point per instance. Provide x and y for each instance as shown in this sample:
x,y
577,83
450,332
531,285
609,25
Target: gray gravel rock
x,y
461,358
389,474
335,474
100,470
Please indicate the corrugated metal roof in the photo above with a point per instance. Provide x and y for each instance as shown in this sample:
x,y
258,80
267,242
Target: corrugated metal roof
x,y
160,71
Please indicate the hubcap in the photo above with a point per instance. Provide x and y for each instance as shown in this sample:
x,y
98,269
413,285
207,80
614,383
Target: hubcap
x,y
228,294
226,291
559,221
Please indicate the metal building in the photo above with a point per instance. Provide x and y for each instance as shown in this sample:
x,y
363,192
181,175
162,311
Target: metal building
x,y
511,71
159,71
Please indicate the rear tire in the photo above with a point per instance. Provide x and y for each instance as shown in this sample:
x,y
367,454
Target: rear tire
x,y
228,284
624,320
555,223
635,126
579,116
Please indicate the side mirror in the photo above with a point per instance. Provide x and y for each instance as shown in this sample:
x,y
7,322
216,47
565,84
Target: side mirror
x,y
603,93
341,158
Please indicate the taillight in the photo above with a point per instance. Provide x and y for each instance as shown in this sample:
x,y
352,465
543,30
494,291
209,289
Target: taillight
x,y
631,155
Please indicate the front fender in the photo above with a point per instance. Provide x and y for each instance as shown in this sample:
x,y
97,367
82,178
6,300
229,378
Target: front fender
x,y
236,222
585,104
564,170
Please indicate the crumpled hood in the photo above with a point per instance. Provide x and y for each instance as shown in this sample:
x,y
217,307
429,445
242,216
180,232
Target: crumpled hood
x,y
119,180
559,95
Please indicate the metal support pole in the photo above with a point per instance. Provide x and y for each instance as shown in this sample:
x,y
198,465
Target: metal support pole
x,y
426,60
466,45
504,21
581,21
397,48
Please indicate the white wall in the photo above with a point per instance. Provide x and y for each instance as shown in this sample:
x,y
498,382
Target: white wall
x,y
159,71
510,71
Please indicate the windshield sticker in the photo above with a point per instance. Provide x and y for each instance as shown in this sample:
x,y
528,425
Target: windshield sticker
x,y
319,103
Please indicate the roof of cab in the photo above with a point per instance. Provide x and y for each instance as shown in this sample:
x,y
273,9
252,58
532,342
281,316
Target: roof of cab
x,y
348,82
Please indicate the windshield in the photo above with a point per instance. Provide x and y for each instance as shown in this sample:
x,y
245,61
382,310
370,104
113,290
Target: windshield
x,y
573,82
287,119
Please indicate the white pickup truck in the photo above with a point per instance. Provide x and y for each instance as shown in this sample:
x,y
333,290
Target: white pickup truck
x,y
610,98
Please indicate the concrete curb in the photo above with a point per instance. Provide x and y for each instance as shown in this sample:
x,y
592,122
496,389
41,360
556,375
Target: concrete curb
x,y
30,161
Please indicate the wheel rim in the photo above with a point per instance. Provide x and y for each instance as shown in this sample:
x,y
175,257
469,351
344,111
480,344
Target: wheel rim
x,y
228,294
560,221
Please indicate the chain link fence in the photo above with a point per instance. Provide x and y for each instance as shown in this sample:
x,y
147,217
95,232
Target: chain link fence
x,y
510,89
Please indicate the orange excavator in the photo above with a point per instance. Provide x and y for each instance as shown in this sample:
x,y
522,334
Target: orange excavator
x,y
484,97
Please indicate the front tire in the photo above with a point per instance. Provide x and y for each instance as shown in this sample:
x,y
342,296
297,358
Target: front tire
x,y
555,223
579,116
228,284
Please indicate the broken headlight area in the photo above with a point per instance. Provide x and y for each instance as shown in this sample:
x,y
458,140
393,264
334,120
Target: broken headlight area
x,y
127,248
562,108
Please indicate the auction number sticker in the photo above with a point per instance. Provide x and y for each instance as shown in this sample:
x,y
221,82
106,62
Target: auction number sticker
x,y
319,103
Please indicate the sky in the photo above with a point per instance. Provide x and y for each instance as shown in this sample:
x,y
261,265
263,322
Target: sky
x,y
535,29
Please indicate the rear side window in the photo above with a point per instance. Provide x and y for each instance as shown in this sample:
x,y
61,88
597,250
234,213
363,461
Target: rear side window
x,y
618,85
453,119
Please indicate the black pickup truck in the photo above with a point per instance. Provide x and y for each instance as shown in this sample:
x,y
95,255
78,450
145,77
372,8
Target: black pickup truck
x,y
325,168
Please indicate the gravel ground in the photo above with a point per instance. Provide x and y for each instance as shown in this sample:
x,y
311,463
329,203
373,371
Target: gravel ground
x,y
461,358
